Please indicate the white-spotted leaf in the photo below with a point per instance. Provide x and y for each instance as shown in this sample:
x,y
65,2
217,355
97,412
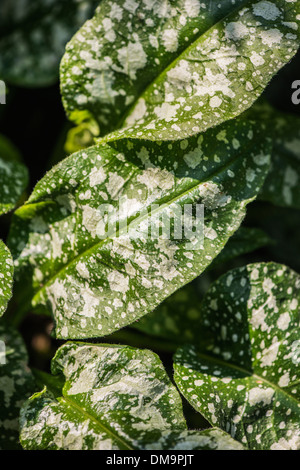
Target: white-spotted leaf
x,y
168,70
112,398
96,280
246,379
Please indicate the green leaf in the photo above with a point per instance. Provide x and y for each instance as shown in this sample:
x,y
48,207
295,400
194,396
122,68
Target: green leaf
x,y
33,36
6,277
282,183
16,385
113,398
95,281
13,176
177,318
168,70
246,380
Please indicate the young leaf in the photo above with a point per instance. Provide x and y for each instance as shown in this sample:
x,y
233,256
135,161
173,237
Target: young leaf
x,y
16,385
33,37
96,280
6,277
113,398
168,70
177,318
246,381
13,176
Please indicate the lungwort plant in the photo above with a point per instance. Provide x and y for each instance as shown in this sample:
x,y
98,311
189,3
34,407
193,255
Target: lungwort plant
x,y
131,249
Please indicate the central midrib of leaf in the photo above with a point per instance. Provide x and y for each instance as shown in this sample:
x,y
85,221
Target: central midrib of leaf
x,y
174,61
232,366
49,381
85,413
137,220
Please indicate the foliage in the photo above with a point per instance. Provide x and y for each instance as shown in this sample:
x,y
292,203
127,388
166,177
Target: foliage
x,y
112,397
204,74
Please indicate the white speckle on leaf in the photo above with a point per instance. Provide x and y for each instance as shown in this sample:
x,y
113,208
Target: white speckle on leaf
x,y
266,10
170,39
118,282
261,395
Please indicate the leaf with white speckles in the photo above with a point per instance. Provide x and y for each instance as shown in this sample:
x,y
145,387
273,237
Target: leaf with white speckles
x,y
13,176
16,385
177,318
112,398
95,279
282,183
33,37
6,277
246,379
168,70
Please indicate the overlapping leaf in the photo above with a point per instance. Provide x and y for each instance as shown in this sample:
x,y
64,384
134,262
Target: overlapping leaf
x,y
167,70
16,385
95,280
178,317
13,176
112,398
33,36
246,381
6,276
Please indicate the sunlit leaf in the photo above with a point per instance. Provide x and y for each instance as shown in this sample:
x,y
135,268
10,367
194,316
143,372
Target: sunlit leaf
x,y
112,398
168,70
